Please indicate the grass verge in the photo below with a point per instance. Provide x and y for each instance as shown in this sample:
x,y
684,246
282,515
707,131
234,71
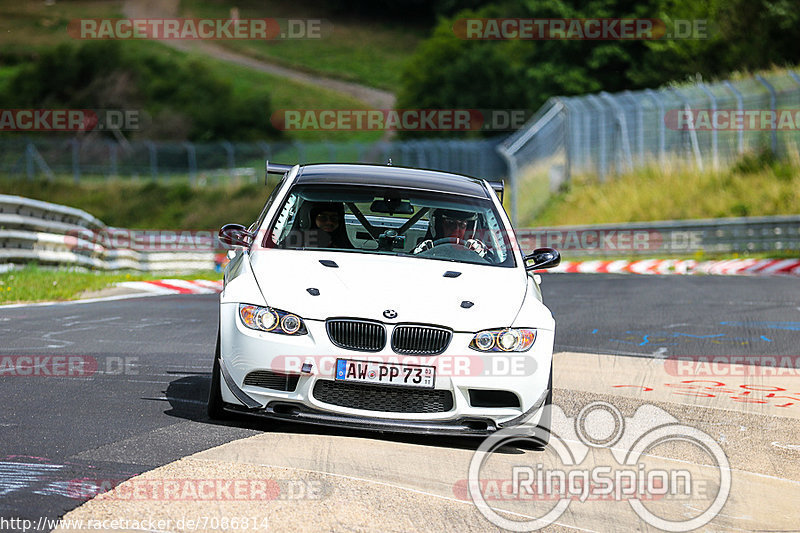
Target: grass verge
x,y
757,185
34,284
150,205
371,52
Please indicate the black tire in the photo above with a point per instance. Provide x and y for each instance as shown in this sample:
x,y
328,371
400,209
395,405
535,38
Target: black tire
x,y
215,404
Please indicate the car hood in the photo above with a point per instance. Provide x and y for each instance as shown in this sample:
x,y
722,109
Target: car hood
x,y
366,285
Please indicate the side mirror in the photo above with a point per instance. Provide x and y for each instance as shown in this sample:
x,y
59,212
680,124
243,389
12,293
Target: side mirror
x,y
234,235
542,258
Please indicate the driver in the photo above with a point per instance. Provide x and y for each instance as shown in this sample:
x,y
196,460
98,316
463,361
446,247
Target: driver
x,y
452,224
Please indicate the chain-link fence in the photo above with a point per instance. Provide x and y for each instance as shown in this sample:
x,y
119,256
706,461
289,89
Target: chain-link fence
x,y
705,125
201,163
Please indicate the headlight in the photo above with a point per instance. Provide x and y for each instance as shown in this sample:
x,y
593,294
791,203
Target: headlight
x,y
272,320
503,340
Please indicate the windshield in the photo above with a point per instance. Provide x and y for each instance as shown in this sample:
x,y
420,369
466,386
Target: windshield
x,y
382,220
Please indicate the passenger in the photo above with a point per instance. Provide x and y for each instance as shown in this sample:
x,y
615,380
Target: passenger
x,y
329,227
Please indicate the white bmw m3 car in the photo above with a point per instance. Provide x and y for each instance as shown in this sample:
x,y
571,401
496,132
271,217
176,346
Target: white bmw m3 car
x,y
384,298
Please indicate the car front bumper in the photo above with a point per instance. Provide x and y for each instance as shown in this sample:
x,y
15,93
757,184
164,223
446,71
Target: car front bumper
x,y
243,351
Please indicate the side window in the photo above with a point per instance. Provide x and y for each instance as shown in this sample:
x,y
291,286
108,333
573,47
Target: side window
x,y
498,243
270,201
285,220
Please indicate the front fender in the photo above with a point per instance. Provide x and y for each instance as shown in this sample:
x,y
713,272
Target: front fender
x,y
240,283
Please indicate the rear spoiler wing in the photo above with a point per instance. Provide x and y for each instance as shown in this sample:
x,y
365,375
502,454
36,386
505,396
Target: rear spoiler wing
x,y
274,168
499,187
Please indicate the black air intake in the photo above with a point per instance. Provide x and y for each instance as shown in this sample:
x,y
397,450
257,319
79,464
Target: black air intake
x,y
272,380
384,398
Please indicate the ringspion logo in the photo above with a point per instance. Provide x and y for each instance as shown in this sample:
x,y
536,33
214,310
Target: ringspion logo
x,y
601,455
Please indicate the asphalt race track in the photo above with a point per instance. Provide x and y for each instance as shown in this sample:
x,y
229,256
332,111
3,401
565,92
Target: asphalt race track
x,y
143,404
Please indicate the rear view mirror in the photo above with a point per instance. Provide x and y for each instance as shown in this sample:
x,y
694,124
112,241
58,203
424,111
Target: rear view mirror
x,y
392,206
235,235
542,258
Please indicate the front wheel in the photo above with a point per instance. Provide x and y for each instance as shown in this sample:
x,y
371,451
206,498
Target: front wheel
x,y
214,406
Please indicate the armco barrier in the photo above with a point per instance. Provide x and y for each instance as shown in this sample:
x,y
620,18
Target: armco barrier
x,y
32,230
50,234
670,238
728,267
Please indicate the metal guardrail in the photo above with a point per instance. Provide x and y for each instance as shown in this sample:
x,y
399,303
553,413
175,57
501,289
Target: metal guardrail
x,y
670,238
32,230
52,234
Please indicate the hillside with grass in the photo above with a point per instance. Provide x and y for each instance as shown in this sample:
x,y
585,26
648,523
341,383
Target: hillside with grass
x,y
238,100
354,47
757,185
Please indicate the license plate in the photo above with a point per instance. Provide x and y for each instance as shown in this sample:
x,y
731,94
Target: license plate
x,y
385,373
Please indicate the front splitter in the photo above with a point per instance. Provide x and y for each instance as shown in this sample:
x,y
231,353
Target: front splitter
x,y
467,427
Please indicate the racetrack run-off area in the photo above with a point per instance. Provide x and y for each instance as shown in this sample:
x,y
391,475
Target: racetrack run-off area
x,y
679,347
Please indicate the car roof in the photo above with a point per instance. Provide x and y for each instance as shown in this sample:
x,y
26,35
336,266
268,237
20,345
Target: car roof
x,y
391,176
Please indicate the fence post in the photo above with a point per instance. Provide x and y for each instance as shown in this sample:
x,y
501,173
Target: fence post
x,y
76,160
359,152
29,149
662,132
153,153
568,144
639,125
692,132
513,175
231,158
574,144
301,152
112,159
421,156
714,137
332,152
623,128
773,97
740,108
191,155
603,161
